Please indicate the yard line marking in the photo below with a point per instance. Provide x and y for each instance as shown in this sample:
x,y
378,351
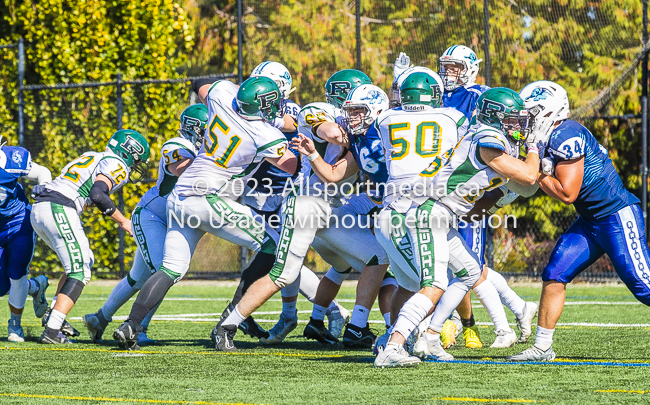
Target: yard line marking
x,y
109,399
625,391
70,349
213,317
557,362
467,399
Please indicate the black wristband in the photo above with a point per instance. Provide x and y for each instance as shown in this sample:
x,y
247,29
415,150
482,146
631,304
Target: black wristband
x,y
198,83
100,197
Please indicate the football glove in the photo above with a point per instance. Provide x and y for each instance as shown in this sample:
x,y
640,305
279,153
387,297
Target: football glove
x,y
402,63
547,167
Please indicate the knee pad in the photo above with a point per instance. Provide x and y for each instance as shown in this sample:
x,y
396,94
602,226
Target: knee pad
x,y
336,277
72,289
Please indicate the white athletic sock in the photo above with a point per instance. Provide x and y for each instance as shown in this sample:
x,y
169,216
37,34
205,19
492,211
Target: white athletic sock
x,y
448,302
412,313
318,313
360,316
387,318
308,283
509,298
544,338
33,286
56,320
489,297
121,293
18,292
147,319
234,319
289,310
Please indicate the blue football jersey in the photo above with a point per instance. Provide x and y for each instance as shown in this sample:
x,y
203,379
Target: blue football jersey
x,y
602,192
369,156
464,98
12,195
269,177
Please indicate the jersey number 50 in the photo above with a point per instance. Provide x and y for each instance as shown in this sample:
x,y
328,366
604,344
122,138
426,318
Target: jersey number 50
x,y
212,142
422,147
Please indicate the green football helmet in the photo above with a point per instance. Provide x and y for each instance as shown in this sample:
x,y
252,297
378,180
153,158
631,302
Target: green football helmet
x,y
419,89
503,109
133,148
341,83
259,98
194,120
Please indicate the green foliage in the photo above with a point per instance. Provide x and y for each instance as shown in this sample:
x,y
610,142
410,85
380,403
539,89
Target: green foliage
x,y
79,41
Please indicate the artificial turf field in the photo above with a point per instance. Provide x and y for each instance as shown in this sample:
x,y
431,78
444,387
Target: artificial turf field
x,y
602,346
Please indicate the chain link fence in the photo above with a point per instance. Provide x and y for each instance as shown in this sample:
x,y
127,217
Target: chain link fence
x,y
592,48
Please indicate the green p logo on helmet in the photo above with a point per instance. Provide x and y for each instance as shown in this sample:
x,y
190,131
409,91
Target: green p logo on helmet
x,y
259,98
132,147
420,89
504,109
341,83
194,120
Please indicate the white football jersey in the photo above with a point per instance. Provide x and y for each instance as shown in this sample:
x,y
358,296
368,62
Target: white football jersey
x,y
412,139
460,178
172,151
232,148
310,117
78,176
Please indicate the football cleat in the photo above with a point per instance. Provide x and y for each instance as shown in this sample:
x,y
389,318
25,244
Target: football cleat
x,y
358,337
448,334
430,346
525,324
40,302
127,336
66,328
380,343
226,312
505,338
336,321
51,337
143,339
533,354
280,330
316,330
395,356
94,326
472,339
253,329
224,338
15,333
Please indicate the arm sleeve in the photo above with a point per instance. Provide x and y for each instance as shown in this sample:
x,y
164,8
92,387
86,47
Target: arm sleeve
x,y
99,196
39,173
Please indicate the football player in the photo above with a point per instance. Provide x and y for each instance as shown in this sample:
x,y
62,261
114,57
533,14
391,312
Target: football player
x,y
264,194
149,221
364,154
485,158
17,236
89,179
239,137
577,170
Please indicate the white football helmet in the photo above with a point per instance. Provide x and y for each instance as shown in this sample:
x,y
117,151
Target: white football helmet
x,y
362,107
465,56
546,101
395,99
278,73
